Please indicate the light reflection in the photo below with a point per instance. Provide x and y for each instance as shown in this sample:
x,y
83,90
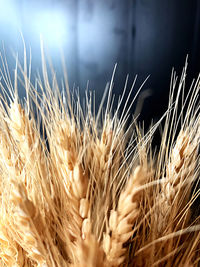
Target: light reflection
x,y
51,25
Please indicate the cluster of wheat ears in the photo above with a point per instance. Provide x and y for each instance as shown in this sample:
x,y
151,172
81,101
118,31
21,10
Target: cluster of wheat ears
x,y
84,189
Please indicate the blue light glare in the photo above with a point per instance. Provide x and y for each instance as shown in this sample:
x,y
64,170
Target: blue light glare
x,y
8,12
51,25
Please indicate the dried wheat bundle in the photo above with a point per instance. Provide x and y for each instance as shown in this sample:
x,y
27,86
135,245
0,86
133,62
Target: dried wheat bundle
x,y
86,189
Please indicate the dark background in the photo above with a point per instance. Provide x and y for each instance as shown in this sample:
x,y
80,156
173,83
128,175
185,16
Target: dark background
x,y
144,37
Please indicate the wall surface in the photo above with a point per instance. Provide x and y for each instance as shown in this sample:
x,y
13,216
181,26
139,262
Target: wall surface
x,y
143,37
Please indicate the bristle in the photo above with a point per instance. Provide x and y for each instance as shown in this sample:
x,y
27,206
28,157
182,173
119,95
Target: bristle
x,y
81,190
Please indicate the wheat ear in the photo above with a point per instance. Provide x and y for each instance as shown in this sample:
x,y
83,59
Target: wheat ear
x,y
31,150
122,220
65,153
176,188
27,225
11,254
90,253
170,210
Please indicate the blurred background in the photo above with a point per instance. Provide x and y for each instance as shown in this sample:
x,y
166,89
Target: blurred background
x,y
144,37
